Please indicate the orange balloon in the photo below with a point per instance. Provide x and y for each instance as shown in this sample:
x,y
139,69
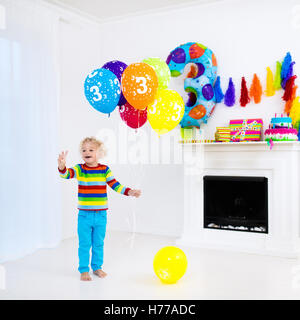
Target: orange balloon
x,y
139,85
198,112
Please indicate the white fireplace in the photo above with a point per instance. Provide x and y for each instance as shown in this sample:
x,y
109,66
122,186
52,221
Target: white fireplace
x,y
250,159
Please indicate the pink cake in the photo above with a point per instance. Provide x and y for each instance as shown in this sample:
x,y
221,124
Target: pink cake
x,y
281,129
281,134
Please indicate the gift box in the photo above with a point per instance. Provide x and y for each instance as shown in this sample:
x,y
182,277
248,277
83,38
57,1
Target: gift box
x,y
222,134
246,130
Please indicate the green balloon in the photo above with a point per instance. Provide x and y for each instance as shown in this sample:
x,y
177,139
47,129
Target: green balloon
x,y
162,71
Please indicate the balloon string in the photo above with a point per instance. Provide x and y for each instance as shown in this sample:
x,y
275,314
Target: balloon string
x,y
132,225
137,175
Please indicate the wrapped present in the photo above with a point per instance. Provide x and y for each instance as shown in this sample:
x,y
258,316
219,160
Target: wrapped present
x,y
222,134
246,130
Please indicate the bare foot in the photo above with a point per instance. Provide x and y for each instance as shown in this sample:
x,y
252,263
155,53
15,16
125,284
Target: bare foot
x,y
85,276
100,273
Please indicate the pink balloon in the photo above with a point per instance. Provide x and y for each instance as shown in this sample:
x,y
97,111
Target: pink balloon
x,y
134,118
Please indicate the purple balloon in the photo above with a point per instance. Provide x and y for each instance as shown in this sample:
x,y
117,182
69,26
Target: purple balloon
x,y
178,55
208,92
117,67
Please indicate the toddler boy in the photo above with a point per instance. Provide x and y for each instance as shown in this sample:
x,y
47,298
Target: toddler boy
x,y
92,179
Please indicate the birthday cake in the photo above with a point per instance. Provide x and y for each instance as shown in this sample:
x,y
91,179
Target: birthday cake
x,y
281,129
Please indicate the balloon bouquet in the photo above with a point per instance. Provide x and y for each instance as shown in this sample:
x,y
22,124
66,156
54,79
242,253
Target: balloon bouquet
x,y
140,91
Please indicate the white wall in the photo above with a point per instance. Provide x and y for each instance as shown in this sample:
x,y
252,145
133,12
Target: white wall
x,y
246,37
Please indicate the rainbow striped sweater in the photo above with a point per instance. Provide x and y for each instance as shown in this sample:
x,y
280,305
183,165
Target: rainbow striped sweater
x,y
92,181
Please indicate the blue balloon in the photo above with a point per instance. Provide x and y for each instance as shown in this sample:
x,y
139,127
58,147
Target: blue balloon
x,y
102,90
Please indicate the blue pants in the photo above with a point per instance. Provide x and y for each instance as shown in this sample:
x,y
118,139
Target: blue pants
x,y
91,232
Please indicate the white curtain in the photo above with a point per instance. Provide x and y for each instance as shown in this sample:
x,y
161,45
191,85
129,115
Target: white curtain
x,y
30,216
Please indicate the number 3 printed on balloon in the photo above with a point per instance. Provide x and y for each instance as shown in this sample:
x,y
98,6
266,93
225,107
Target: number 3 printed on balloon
x,y
116,82
152,108
93,74
178,113
95,91
143,85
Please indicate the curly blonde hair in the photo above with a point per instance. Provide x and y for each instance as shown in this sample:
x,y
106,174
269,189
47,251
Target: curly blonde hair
x,y
97,143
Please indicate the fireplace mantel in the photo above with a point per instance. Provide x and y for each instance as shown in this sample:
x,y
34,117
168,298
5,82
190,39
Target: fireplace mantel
x,y
250,146
280,165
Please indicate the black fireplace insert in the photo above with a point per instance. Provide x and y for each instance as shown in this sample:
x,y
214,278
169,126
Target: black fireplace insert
x,y
236,203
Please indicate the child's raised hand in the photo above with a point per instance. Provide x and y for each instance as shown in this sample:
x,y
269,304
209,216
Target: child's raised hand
x,y
62,160
135,193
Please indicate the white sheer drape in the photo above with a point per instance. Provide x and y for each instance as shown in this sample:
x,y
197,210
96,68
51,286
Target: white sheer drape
x,y
30,216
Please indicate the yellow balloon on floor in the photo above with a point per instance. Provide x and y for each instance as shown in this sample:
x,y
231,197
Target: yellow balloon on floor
x,y
170,264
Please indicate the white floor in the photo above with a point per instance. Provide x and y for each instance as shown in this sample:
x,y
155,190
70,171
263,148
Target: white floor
x,y
52,274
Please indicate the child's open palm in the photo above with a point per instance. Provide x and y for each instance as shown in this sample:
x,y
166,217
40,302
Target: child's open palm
x,y
135,193
62,160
